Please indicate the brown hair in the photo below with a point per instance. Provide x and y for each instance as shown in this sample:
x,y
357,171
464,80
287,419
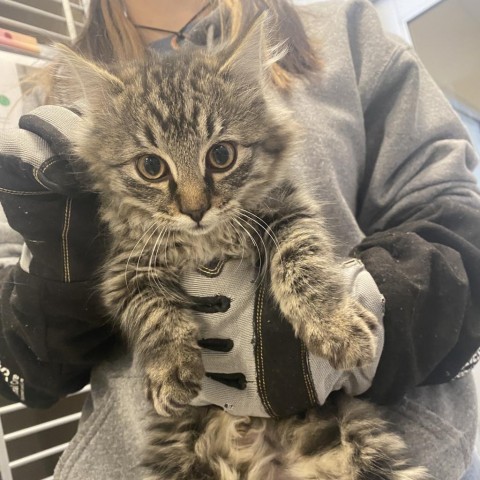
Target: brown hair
x,y
286,27
109,35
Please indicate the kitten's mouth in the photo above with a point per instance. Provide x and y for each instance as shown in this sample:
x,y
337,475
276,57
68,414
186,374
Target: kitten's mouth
x,y
200,228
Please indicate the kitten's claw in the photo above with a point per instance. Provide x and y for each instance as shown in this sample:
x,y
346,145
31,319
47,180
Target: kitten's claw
x,y
347,340
172,383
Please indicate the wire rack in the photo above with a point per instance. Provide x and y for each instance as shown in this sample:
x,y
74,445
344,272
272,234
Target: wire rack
x,y
47,20
7,466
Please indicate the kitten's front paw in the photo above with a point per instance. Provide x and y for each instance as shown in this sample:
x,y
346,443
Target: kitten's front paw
x,y
174,380
347,339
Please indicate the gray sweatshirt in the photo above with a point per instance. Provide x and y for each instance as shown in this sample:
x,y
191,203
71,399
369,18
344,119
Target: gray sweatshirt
x,y
392,165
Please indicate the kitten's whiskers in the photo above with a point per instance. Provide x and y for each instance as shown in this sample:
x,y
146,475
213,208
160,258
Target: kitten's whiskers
x,y
131,254
239,235
166,247
262,224
154,258
262,270
247,219
153,261
137,269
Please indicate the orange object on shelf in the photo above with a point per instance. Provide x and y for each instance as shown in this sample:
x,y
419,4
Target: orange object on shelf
x,y
18,40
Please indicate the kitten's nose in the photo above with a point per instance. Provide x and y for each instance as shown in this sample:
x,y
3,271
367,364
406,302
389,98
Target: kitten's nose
x,y
195,215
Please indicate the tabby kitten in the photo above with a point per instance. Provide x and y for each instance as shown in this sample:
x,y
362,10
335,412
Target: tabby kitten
x,y
190,154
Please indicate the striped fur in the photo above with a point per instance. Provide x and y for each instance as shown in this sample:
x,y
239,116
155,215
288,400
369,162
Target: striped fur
x,y
177,107
343,440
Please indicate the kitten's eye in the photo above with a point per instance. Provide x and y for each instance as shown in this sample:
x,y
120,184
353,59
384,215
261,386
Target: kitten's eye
x,y
152,168
221,156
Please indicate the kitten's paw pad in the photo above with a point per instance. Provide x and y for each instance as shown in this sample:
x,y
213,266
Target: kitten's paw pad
x,y
348,340
172,386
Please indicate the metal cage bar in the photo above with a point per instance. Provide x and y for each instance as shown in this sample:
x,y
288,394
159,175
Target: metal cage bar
x,y
73,5
6,466
33,29
25,432
67,10
5,470
36,11
67,18
38,456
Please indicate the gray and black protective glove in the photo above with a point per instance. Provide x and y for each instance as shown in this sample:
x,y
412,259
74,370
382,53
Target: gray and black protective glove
x,y
251,349
52,327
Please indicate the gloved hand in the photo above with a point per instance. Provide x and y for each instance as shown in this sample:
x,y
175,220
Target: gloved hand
x,y
252,351
52,326
43,200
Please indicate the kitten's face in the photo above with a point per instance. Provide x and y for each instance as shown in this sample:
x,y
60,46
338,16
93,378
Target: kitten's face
x,y
185,143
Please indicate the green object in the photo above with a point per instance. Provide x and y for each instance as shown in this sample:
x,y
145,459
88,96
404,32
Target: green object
x,y
4,101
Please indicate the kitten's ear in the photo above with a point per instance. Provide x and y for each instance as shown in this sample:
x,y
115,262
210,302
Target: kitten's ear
x,y
76,71
252,53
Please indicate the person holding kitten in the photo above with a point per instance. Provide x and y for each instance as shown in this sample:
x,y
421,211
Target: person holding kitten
x,y
382,147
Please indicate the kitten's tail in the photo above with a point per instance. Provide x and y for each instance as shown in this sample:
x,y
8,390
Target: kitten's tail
x,y
376,452
344,440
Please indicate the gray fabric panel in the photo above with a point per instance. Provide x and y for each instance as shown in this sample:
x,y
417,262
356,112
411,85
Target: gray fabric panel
x,y
29,147
236,283
25,146
64,120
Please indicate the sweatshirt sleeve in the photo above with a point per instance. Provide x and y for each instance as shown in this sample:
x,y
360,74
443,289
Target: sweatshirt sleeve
x,y
419,208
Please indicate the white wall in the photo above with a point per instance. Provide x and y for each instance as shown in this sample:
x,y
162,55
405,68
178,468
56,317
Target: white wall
x,y
395,15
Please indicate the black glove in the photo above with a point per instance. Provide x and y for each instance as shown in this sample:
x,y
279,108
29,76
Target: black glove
x,y
52,326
